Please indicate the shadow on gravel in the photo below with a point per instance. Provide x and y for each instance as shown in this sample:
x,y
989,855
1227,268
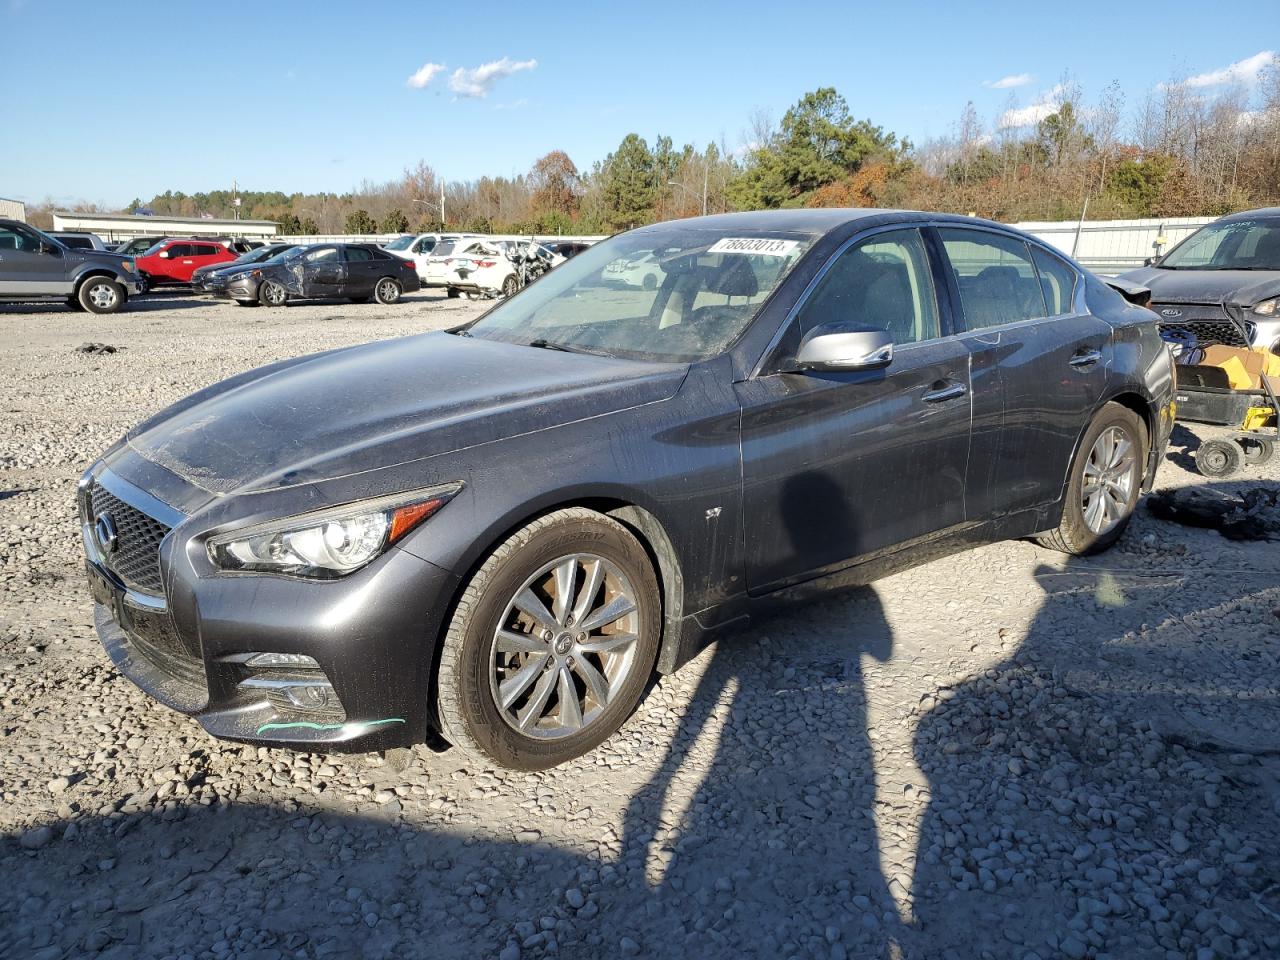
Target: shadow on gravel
x,y
257,883
1132,818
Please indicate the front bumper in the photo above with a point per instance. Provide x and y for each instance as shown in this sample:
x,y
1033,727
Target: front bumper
x,y
134,285
371,634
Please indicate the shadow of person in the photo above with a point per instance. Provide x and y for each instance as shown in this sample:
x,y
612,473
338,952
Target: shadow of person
x,y
757,829
1082,802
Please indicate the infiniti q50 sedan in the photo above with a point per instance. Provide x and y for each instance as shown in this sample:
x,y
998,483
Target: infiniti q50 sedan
x,y
494,535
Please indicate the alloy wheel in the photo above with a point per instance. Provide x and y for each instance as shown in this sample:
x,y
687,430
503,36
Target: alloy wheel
x,y
1108,480
564,647
388,292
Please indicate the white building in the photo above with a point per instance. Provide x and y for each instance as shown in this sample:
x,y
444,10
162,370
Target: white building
x,y
13,210
124,226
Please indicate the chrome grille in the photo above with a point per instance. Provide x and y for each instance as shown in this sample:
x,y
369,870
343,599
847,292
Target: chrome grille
x,y
136,560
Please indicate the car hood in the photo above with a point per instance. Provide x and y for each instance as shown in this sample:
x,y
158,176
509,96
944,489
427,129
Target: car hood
x,y
382,404
1239,287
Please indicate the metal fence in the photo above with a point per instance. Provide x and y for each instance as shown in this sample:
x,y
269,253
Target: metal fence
x,y
1114,246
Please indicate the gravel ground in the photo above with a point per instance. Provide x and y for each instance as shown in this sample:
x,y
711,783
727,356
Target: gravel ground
x,y
1001,754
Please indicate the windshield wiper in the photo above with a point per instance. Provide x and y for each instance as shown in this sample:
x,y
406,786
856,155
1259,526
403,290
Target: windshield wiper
x,y
542,343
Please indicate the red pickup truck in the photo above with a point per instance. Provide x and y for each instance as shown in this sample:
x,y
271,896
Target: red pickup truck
x,y
173,261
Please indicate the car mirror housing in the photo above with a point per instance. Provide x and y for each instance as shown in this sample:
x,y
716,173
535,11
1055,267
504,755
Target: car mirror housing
x,y
50,249
163,254
843,346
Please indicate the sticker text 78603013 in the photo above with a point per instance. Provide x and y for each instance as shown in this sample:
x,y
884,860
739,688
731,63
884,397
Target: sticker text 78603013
x,y
766,246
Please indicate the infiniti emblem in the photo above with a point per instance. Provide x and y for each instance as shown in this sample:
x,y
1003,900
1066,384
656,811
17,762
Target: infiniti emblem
x,y
1171,312
105,533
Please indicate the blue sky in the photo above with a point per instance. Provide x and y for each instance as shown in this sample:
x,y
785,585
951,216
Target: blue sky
x,y
108,102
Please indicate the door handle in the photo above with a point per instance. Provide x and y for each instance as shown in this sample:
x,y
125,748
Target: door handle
x,y
1086,358
950,392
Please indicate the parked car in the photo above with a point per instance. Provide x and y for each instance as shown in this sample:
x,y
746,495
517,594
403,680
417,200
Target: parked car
x,y
643,270
34,266
245,260
488,267
174,261
78,241
419,247
433,269
139,245
498,531
567,248
1222,283
357,271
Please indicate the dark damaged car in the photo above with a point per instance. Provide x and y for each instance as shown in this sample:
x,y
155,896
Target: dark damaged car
x,y
359,272
496,534
1221,284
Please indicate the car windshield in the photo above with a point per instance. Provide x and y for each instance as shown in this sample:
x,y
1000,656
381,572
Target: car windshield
x,y
399,243
285,254
1236,245
700,291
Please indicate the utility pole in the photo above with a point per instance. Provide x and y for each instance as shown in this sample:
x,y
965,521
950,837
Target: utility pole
x,y
235,197
442,203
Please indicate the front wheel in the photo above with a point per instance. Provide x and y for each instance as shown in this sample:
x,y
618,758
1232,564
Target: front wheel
x,y
551,644
387,291
272,294
1105,482
101,295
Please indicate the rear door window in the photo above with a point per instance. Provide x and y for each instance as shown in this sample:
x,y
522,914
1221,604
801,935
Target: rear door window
x,y
180,250
358,255
996,276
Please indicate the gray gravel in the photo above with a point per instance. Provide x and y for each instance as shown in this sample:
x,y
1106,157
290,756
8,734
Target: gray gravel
x,y
1002,754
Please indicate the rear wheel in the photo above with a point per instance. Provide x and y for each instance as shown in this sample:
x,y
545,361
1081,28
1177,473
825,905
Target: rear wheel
x,y
453,293
510,286
552,642
1105,482
101,295
1219,458
387,291
272,294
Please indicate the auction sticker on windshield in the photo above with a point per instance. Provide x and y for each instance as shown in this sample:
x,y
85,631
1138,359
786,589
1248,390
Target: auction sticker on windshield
x,y
765,246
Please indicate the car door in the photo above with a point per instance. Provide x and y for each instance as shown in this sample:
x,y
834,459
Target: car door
x,y
30,264
362,272
321,273
1036,351
838,467
204,255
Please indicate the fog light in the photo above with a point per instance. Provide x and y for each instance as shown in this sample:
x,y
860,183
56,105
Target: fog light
x,y
311,696
280,660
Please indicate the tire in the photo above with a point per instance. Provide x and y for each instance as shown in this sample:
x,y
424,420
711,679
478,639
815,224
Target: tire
x,y
510,286
472,667
388,291
1219,458
272,294
452,293
1258,450
101,295
1094,526
650,282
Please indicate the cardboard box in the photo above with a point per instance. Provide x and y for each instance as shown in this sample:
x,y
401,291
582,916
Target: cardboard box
x,y
1245,368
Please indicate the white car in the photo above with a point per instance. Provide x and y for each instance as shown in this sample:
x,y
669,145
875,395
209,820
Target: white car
x,y
642,271
485,266
433,268
418,247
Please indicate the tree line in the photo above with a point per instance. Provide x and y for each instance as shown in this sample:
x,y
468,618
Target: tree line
x,y
1179,152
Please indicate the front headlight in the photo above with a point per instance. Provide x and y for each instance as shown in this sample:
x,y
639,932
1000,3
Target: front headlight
x,y
1267,308
327,543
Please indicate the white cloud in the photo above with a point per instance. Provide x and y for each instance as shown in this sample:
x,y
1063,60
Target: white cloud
x,y
1242,71
1007,83
479,81
425,75
1045,104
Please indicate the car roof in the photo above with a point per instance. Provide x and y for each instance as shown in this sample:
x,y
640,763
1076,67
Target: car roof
x,y
1262,213
818,221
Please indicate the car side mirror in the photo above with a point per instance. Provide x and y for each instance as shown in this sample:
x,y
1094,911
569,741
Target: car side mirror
x,y
843,346
163,254
1151,261
50,249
